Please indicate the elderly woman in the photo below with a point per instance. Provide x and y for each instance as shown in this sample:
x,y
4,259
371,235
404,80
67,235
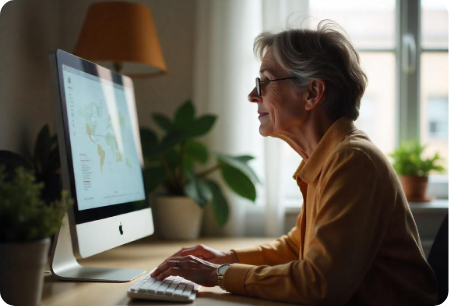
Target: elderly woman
x,y
355,242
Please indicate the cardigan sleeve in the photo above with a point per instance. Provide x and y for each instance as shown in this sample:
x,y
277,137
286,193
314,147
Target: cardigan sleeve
x,y
282,250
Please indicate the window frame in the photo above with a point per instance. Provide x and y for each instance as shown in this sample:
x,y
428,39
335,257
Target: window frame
x,y
408,93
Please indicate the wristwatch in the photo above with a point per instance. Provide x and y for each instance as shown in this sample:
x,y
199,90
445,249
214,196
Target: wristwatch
x,y
221,271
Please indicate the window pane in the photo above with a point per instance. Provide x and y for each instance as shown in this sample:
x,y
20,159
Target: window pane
x,y
434,104
377,111
370,24
434,24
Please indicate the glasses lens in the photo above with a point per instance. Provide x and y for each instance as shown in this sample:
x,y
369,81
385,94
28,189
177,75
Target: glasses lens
x,y
258,86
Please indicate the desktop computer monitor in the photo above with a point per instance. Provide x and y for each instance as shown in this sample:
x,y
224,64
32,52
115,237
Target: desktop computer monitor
x,y
101,167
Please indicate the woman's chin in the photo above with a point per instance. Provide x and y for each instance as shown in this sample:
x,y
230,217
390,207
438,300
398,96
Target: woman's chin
x,y
264,131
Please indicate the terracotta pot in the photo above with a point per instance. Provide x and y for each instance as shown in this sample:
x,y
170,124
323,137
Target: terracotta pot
x,y
176,218
415,188
22,271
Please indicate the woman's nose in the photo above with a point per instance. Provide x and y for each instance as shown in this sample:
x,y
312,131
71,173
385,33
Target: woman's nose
x,y
253,97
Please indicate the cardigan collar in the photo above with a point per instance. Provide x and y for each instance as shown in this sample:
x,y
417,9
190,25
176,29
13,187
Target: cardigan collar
x,y
309,170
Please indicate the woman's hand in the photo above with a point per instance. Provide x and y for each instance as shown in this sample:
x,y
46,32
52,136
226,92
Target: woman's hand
x,y
189,267
209,254
198,264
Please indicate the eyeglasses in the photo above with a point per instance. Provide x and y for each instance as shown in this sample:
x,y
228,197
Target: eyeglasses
x,y
258,81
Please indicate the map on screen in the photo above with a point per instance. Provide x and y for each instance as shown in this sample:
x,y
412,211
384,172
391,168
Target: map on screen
x,y
106,164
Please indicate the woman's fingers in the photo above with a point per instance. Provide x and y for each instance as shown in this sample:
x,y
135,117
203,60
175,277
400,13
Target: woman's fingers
x,y
164,266
174,271
189,267
194,250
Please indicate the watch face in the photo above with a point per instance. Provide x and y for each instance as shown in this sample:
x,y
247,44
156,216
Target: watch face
x,y
222,269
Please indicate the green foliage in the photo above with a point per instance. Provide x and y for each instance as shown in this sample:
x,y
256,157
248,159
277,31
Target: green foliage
x,y
47,164
44,163
170,162
23,215
407,160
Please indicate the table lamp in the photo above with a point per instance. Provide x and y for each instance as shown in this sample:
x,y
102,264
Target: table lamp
x,y
121,36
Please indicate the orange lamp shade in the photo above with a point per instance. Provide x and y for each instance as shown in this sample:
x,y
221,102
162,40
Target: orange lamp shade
x,y
121,36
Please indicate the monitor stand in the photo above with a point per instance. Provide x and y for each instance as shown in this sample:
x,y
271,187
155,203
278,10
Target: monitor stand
x,y
64,265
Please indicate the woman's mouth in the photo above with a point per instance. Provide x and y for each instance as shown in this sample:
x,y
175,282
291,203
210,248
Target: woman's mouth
x,y
262,114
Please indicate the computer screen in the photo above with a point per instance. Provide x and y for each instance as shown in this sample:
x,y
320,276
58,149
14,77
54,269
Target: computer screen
x,y
101,162
106,165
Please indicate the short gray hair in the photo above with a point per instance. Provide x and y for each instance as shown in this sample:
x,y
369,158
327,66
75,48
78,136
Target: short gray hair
x,y
327,54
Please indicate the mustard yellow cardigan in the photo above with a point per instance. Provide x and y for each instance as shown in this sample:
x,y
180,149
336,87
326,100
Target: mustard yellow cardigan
x,y
355,242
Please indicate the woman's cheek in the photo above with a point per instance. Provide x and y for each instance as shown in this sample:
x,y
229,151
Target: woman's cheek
x,y
275,105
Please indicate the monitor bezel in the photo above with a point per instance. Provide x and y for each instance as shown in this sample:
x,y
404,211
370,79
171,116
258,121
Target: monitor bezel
x,y
93,214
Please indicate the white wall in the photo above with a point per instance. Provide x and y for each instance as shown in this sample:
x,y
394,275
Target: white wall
x,y
30,29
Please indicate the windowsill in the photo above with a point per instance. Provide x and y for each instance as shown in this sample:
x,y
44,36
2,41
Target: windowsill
x,y
433,206
428,217
438,204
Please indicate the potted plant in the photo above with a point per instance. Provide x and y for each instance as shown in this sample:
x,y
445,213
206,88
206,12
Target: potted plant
x,y
44,162
413,170
26,223
171,163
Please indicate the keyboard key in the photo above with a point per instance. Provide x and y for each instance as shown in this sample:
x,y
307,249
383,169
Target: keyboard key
x,y
154,287
163,287
179,290
187,291
171,289
145,287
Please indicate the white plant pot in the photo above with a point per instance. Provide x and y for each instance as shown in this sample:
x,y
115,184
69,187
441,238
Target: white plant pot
x,y
176,218
22,271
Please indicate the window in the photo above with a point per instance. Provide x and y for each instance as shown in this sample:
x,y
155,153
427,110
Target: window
x,y
371,27
403,46
406,63
433,129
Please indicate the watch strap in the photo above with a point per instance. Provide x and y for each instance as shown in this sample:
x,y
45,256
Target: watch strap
x,y
221,276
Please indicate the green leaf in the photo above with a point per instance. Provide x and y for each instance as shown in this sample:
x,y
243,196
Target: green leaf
x,y
154,176
163,122
11,161
407,160
42,149
244,158
185,115
24,215
172,158
195,150
201,126
54,163
197,190
172,139
149,142
220,206
239,162
239,182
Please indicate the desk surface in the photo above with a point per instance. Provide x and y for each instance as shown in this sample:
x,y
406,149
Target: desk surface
x,y
142,254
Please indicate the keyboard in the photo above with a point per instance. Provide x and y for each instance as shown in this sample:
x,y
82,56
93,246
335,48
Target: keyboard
x,y
173,288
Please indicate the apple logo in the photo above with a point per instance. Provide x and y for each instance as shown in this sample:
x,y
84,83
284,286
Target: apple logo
x,y
120,228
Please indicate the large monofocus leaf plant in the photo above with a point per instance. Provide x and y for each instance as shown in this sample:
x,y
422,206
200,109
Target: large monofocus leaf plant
x,y
170,161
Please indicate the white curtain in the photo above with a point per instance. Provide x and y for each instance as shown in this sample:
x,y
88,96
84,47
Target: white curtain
x,y
224,72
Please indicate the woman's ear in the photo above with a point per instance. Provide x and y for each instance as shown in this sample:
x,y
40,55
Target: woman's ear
x,y
315,93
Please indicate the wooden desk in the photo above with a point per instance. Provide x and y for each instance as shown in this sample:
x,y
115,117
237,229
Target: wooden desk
x,y
142,254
